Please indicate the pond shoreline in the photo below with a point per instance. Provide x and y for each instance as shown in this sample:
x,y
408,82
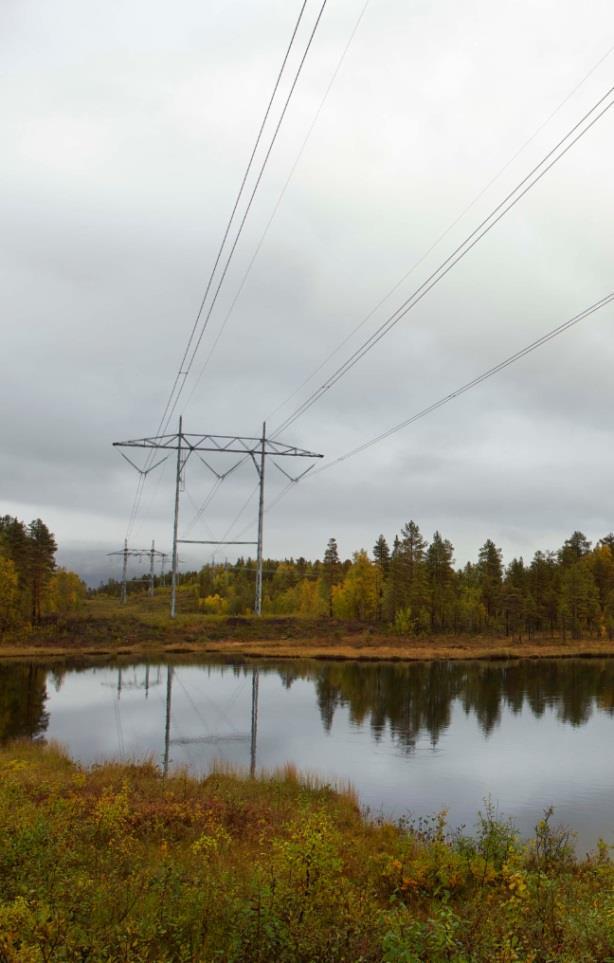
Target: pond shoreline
x,y
320,650
100,630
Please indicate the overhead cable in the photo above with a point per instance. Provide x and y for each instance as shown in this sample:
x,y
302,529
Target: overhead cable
x,y
180,370
599,109
443,234
184,374
468,386
181,375
538,343
416,264
280,197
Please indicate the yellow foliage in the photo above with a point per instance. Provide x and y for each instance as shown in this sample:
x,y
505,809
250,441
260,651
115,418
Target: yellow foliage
x,y
213,605
356,597
66,592
9,593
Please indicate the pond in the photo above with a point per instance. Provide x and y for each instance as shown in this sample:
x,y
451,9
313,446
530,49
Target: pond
x,y
412,739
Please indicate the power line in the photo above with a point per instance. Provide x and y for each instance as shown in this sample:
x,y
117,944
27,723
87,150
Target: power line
x,y
177,387
185,374
278,203
232,215
538,343
209,498
416,264
489,373
443,234
261,242
485,226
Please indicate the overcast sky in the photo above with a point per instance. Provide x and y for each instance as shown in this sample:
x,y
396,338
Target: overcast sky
x,y
127,127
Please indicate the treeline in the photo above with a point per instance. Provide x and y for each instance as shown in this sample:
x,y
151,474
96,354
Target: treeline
x,y
414,586
31,585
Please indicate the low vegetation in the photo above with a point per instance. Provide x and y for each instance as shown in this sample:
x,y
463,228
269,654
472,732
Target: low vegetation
x,y
118,863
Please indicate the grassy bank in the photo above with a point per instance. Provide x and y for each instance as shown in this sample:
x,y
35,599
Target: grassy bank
x,y
116,863
104,627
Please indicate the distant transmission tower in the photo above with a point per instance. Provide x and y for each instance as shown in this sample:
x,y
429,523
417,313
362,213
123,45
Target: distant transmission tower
x,y
258,450
127,553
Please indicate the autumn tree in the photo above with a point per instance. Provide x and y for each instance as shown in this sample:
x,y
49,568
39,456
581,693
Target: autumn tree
x,y
356,597
9,593
66,592
15,546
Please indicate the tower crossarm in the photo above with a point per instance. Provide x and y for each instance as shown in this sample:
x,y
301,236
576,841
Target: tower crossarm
x,y
233,444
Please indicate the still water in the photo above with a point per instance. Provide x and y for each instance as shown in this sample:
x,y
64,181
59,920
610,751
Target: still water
x,y
412,739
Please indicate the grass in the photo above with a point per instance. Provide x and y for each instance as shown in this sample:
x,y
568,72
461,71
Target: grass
x,y
117,863
142,627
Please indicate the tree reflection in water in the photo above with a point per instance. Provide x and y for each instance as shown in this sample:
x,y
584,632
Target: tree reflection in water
x,y
414,699
23,693
407,700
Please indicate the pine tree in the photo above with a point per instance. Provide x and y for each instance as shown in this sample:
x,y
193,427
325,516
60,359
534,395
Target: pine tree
x,y
412,559
440,569
332,572
515,597
543,587
601,561
490,566
381,554
42,549
393,600
579,599
574,548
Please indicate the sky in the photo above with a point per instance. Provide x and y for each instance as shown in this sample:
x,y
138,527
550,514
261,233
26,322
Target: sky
x,y
127,130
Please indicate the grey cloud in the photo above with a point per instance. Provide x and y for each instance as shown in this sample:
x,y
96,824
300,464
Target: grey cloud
x,y
128,128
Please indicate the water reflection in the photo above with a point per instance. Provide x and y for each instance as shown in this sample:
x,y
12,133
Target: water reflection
x,y
404,701
23,693
417,699
416,737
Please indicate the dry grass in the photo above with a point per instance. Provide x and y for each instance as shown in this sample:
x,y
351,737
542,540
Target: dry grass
x,y
105,629
373,650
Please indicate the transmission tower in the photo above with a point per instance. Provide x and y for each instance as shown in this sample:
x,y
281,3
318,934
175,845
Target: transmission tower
x,y
139,553
258,449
